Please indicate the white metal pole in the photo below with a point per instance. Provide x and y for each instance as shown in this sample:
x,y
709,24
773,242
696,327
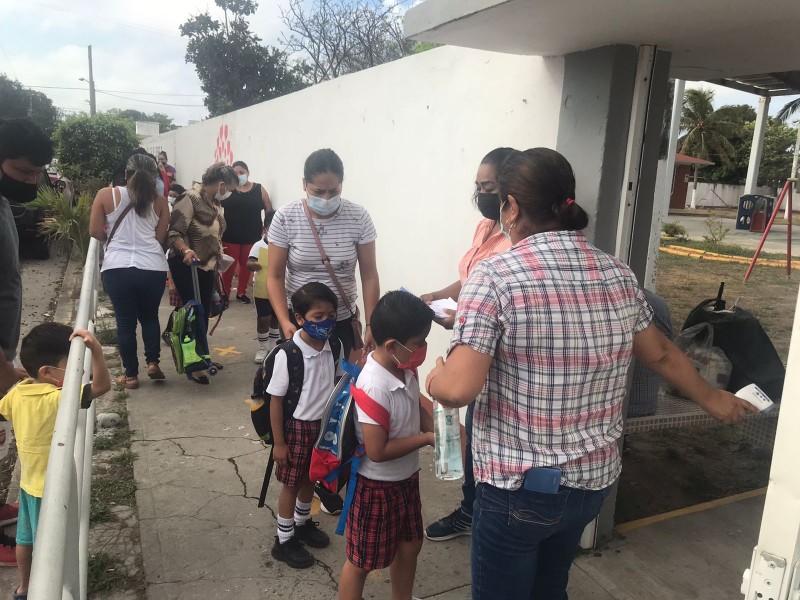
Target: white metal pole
x,y
672,148
758,145
794,169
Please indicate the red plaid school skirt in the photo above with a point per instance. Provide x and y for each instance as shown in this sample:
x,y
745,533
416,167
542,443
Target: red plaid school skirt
x,y
383,514
300,437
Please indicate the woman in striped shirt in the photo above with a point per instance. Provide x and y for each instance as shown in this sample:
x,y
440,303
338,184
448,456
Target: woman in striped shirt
x,y
544,335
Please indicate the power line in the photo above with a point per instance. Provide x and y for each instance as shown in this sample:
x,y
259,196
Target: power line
x,y
150,101
57,87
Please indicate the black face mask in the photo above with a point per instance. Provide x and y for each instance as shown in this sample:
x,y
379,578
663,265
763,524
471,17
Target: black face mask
x,y
489,205
18,191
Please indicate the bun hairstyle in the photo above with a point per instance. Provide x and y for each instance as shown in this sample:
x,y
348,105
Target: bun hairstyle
x,y
141,172
221,172
543,183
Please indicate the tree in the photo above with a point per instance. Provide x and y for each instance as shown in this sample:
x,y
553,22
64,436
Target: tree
x,y
337,37
90,148
17,101
791,107
129,114
234,68
735,172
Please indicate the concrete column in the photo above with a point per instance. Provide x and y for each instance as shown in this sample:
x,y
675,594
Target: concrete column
x,y
758,145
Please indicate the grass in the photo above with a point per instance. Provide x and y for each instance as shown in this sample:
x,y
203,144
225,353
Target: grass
x,y
113,487
685,282
729,249
105,573
107,337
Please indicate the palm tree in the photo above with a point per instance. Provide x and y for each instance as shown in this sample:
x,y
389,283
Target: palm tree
x,y
789,109
707,131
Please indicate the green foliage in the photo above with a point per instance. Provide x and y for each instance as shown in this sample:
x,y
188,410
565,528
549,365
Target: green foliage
x,y
92,147
234,68
791,107
67,220
716,231
707,131
421,47
129,114
105,573
673,229
17,101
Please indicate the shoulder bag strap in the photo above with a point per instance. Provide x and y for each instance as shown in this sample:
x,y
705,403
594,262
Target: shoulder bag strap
x,y
121,217
326,261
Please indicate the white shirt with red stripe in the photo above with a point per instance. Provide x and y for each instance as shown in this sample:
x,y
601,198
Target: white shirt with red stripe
x,y
401,402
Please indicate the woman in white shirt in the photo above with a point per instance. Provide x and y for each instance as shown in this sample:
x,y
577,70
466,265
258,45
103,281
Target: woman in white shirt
x,y
133,221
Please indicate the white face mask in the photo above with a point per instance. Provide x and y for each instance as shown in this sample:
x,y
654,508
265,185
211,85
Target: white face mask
x,y
220,197
324,207
243,179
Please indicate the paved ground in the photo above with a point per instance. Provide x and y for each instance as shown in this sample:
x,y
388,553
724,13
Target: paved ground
x,y
776,241
199,472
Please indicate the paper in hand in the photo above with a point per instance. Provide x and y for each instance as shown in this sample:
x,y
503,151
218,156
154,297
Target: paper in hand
x,y
440,306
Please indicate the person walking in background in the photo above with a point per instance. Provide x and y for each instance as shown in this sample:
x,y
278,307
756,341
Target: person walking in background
x,y
487,242
25,151
266,322
196,227
552,324
165,167
243,218
31,407
133,221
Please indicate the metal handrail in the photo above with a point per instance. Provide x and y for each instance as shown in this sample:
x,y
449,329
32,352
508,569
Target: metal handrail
x,y
61,552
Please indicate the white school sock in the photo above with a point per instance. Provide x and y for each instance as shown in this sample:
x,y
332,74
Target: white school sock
x,y
302,513
285,529
274,334
263,340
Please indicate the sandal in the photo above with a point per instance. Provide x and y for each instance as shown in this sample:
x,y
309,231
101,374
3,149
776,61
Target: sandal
x,y
129,383
17,596
155,372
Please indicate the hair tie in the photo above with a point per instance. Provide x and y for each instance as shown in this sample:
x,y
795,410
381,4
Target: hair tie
x,y
570,201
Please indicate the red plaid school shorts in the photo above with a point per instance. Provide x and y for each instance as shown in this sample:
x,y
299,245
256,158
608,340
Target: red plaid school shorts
x,y
383,514
300,437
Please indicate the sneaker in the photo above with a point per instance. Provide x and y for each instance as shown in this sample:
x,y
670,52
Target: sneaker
x,y
452,526
8,556
8,514
261,355
329,502
311,535
293,553
243,299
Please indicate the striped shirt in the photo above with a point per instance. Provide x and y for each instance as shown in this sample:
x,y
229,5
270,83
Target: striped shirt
x,y
340,235
558,317
199,222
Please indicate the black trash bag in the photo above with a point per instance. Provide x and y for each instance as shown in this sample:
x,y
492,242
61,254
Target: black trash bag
x,y
740,335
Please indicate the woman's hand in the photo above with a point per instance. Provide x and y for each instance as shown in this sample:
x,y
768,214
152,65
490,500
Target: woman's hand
x,y
427,298
434,372
288,329
188,256
280,453
449,321
726,407
369,341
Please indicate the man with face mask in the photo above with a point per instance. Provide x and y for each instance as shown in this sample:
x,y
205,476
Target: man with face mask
x,y
25,151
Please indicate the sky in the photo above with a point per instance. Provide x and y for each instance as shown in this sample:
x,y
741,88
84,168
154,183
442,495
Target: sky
x,y
138,53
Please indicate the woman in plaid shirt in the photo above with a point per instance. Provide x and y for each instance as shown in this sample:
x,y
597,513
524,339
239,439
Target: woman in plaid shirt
x,y
543,338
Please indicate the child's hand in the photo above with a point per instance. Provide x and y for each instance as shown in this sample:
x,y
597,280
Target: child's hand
x,y
88,339
253,266
281,455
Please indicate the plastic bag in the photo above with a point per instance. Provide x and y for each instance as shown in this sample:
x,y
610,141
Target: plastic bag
x,y
697,342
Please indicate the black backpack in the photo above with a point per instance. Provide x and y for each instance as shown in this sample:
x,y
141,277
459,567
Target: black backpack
x,y
259,408
740,335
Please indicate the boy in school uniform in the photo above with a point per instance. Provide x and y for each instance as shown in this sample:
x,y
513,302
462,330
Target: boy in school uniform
x,y
267,322
314,307
31,406
384,527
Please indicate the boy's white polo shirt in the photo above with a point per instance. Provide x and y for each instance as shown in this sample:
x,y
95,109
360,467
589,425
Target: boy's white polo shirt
x,y
401,400
318,379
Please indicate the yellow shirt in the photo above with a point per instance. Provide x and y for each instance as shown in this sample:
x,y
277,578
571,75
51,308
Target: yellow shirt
x,y
260,251
32,407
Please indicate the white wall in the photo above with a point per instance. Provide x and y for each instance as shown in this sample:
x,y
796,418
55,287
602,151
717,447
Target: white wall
x,y
411,135
719,195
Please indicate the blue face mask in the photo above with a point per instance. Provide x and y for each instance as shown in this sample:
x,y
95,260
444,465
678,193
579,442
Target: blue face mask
x,y
319,330
324,207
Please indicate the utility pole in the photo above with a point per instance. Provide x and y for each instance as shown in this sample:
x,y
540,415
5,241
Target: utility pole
x,y
92,103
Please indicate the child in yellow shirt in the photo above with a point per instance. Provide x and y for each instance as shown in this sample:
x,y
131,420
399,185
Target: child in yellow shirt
x,y
267,322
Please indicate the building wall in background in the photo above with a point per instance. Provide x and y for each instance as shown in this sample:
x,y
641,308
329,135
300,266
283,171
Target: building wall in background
x,y
411,134
720,195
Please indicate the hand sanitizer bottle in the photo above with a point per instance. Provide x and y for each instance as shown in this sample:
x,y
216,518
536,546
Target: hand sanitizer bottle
x,y
447,433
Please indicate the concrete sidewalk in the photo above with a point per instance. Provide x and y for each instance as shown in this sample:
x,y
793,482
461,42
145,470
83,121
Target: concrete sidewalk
x,y
199,472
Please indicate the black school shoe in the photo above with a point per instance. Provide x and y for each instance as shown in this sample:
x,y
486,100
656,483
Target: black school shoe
x,y
243,299
310,534
329,502
293,553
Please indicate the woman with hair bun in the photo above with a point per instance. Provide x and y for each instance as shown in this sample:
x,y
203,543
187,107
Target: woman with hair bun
x,y
553,324
133,220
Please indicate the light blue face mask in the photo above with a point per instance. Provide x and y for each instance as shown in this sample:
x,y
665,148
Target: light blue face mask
x,y
159,185
324,207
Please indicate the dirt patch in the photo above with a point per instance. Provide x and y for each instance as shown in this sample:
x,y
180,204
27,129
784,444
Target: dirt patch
x,y
670,469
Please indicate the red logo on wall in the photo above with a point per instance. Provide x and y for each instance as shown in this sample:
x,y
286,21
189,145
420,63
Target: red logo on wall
x,y
223,151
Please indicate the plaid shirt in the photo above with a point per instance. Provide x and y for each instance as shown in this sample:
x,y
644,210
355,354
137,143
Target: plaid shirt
x,y
558,317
